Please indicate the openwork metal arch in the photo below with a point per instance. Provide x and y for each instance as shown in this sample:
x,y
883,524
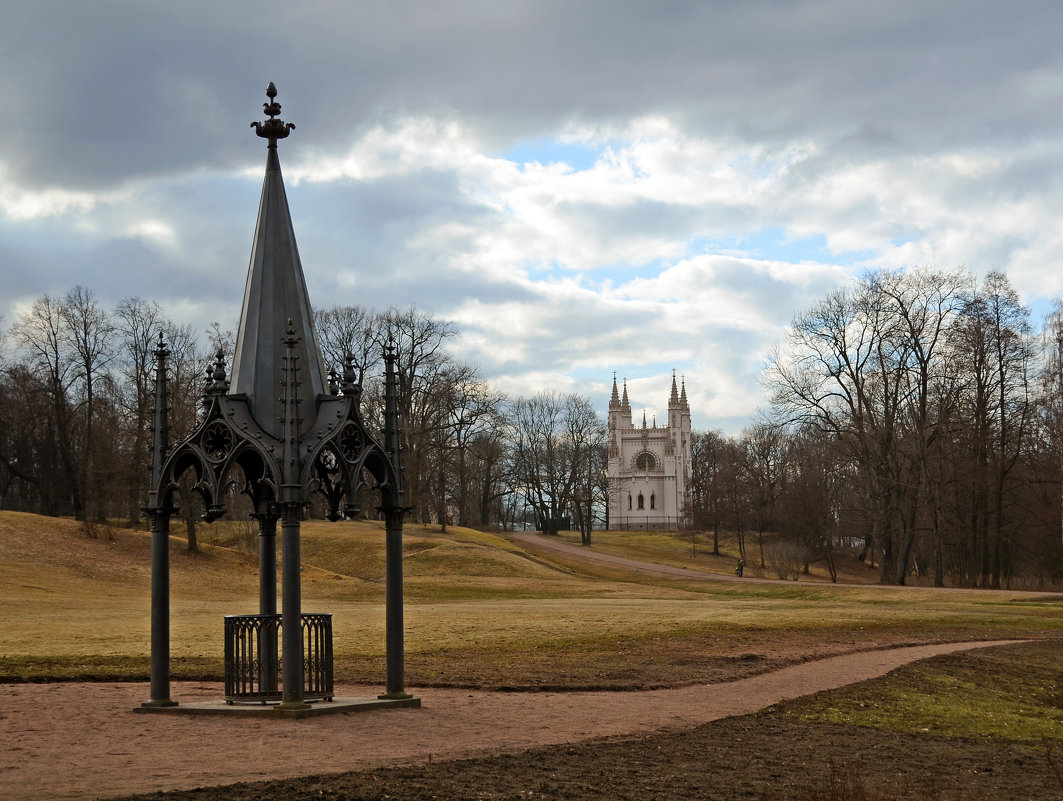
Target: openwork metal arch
x,y
284,443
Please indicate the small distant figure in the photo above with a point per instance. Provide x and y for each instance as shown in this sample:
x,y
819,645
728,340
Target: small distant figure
x,y
740,569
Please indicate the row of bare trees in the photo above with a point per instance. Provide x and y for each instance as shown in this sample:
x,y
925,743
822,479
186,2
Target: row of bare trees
x,y
917,411
453,433
75,415
472,456
75,403
559,460
916,416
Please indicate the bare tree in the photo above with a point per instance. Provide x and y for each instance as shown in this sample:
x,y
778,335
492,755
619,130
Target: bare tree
x,y
706,496
1052,405
138,324
473,409
553,437
40,332
348,331
422,370
89,332
993,338
187,364
812,497
862,366
587,433
924,304
765,451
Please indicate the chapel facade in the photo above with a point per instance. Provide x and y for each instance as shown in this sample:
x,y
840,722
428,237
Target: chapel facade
x,y
649,465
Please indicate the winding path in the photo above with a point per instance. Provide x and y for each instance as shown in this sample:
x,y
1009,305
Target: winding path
x,y
536,541
80,740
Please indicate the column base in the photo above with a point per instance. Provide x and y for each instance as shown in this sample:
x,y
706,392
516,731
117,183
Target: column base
x,y
292,706
159,702
399,695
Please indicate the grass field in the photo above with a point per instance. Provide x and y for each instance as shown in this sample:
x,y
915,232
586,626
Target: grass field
x,y
695,550
481,610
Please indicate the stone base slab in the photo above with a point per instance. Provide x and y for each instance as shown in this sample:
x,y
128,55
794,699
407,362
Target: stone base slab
x,y
260,710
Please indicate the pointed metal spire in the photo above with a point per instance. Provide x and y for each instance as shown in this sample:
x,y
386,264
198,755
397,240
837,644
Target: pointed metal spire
x,y
275,291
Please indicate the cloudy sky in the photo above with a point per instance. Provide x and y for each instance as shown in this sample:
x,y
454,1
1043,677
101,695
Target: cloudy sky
x,y
581,187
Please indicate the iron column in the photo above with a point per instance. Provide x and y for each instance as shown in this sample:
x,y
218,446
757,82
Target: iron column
x,y
395,639
267,597
160,510
291,514
160,609
291,610
393,513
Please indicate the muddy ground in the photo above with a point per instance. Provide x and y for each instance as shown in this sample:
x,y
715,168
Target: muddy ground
x,y
761,756
779,752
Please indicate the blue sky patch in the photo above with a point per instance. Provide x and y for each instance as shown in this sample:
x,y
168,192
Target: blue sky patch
x,y
773,244
549,151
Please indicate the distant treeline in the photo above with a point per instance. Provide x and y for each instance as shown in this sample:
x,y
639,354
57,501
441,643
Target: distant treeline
x,y
917,412
916,422
75,417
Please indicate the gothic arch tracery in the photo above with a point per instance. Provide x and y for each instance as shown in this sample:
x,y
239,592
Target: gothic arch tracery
x,y
645,461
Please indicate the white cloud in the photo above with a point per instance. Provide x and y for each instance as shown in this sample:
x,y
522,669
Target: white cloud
x,y
156,230
736,161
23,203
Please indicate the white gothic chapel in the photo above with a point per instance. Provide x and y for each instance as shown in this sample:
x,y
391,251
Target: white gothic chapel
x,y
649,467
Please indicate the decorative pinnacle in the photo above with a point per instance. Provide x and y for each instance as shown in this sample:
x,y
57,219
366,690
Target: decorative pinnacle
x,y
349,376
161,350
291,340
272,129
217,380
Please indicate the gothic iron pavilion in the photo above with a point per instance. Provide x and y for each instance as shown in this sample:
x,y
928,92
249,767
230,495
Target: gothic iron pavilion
x,y
293,430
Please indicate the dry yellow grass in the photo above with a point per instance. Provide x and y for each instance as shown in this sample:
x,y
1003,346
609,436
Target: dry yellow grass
x,y
694,550
471,596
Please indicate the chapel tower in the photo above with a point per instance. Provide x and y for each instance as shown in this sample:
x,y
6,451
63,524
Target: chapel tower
x,y
649,465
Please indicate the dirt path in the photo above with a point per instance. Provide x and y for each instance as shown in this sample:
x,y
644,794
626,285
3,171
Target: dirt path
x,y
538,541
79,740
534,540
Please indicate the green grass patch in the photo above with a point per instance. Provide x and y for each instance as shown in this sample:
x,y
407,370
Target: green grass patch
x,y
104,667
1010,692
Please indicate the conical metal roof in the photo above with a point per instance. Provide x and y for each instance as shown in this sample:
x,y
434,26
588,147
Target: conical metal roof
x,y
275,292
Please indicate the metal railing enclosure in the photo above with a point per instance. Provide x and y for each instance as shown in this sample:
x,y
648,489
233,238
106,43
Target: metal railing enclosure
x,y
253,665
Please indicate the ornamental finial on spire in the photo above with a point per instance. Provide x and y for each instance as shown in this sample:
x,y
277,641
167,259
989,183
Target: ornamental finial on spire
x,y
272,129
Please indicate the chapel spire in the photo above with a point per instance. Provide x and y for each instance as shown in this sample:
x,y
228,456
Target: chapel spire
x,y
614,400
624,402
275,292
673,400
